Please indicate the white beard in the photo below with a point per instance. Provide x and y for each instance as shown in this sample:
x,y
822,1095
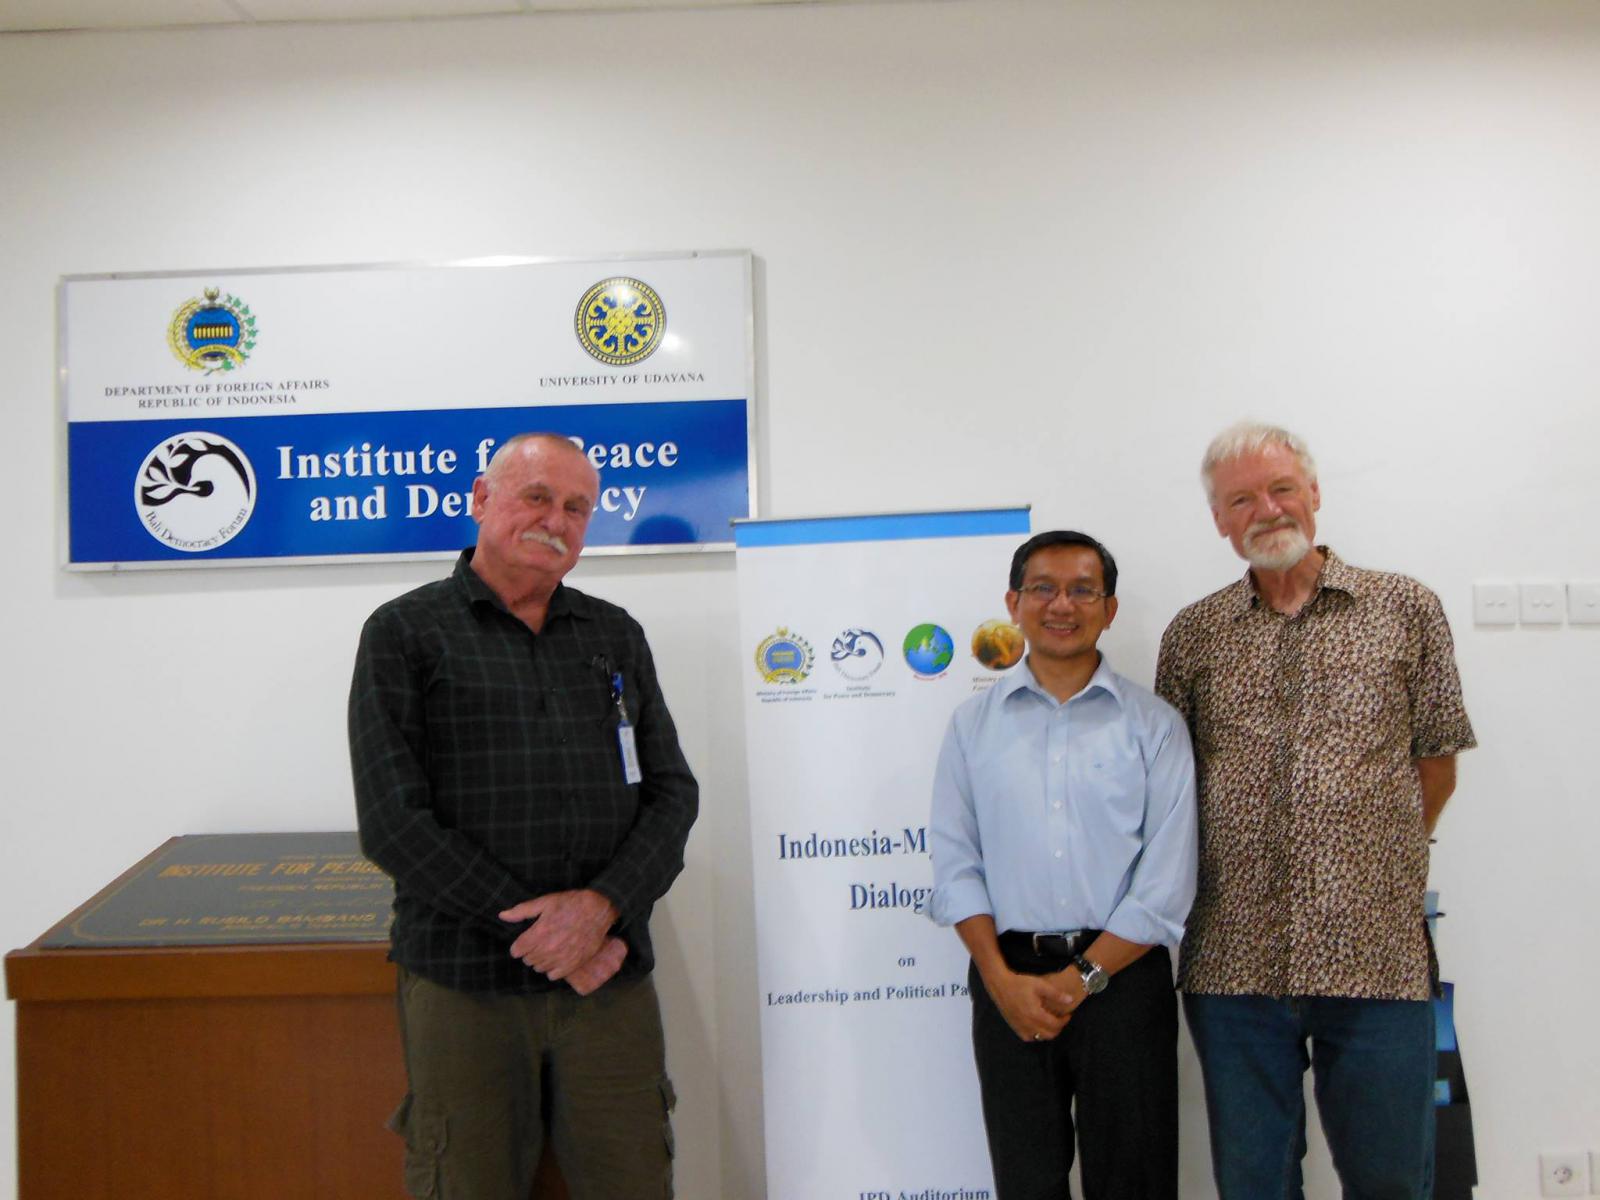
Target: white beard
x,y
1276,549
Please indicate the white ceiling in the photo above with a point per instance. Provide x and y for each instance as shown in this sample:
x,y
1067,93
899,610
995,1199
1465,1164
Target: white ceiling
x,y
17,16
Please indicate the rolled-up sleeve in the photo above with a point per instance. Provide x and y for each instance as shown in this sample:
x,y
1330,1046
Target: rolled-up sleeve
x,y
959,888
1157,902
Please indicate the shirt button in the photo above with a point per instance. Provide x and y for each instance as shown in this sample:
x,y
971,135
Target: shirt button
x,y
1057,804
1058,854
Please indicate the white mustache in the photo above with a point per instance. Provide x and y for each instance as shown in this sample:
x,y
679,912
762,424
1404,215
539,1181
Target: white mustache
x,y
545,539
1273,526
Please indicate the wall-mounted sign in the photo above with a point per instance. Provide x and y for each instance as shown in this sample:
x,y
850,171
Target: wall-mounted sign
x,y
253,416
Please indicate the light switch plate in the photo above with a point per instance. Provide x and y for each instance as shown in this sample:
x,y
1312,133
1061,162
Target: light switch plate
x,y
1494,603
1543,602
1583,602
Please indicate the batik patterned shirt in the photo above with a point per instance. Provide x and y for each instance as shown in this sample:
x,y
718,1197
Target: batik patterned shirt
x,y
1306,728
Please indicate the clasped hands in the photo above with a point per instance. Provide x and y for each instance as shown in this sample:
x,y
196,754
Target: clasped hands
x,y
570,938
1037,1007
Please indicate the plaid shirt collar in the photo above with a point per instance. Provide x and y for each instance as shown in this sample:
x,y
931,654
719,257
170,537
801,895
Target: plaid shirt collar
x,y
564,601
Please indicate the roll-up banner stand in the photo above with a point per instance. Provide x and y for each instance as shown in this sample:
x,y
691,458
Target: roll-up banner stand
x,y
859,637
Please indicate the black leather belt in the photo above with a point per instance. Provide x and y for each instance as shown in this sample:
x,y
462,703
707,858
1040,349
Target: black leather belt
x,y
1065,945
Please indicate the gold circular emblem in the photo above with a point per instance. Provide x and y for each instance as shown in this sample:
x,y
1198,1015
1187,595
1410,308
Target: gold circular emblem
x,y
784,657
998,645
620,321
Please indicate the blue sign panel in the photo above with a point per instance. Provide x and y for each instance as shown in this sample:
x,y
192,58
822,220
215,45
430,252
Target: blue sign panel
x,y
317,485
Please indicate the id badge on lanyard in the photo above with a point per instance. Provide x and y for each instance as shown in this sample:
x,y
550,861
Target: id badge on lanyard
x,y
625,743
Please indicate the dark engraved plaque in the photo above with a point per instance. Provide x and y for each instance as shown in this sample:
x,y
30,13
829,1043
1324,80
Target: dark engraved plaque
x,y
238,888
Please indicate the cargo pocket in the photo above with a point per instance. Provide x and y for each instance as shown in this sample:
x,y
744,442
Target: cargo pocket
x,y
426,1132
669,1101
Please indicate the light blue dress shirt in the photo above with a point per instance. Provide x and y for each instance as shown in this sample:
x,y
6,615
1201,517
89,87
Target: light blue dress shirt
x,y
1053,817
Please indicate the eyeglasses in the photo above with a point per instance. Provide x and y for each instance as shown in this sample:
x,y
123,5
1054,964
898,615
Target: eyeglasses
x,y
1078,593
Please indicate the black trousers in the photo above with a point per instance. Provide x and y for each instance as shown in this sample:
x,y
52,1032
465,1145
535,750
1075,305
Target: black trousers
x,y
1111,1077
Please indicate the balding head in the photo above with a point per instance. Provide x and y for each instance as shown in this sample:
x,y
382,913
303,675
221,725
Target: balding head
x,y
523,442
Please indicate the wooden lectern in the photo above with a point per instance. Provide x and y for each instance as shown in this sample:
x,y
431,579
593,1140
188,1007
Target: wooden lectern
x,y
214,1071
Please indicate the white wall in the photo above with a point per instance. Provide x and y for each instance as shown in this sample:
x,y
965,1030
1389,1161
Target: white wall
x,y
1011,250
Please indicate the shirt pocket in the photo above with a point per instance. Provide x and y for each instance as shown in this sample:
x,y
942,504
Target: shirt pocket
x,y
1106,784
491,692
1006,786
1362,702
1237,708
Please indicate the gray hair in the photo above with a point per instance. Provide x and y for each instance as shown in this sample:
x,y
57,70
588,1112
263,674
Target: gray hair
x,y
1251,437
507,450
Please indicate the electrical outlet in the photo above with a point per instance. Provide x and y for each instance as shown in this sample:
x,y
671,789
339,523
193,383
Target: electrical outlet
x,y
1563,1173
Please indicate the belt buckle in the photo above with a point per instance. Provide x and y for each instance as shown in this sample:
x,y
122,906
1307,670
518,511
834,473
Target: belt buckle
x,y
1070,940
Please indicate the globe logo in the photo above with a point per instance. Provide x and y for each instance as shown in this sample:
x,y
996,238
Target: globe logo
x,y
929,651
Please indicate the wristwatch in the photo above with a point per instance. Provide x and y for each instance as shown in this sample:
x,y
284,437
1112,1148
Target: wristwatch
x,y
1094,975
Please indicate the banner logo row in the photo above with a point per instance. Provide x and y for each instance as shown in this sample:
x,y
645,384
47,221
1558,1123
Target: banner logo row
x,y
785,657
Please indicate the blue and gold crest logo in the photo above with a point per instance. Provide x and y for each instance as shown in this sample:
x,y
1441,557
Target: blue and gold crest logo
x,y
620,321
213,334
784,657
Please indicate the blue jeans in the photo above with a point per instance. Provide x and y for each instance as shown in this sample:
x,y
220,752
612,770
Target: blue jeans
x,y
1374,1063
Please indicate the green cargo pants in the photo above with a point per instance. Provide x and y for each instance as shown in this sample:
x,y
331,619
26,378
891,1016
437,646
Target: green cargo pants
x,y
484,1069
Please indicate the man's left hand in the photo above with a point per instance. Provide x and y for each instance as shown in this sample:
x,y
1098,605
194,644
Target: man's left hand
x,y
588,977
1071,983
568,930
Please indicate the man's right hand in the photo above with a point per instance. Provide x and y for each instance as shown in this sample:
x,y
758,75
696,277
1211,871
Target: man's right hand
x,y
1035,1006
569,928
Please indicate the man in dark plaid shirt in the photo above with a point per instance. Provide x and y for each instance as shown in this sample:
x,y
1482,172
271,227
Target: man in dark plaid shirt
x,y
515,762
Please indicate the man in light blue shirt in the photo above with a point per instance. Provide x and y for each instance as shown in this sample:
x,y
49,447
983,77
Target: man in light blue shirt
x,y
1064,847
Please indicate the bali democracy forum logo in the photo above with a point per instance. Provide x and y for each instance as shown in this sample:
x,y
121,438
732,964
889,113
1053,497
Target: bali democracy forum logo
x,y
213,334
195,491
857,654
620,321
784,657
929,651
